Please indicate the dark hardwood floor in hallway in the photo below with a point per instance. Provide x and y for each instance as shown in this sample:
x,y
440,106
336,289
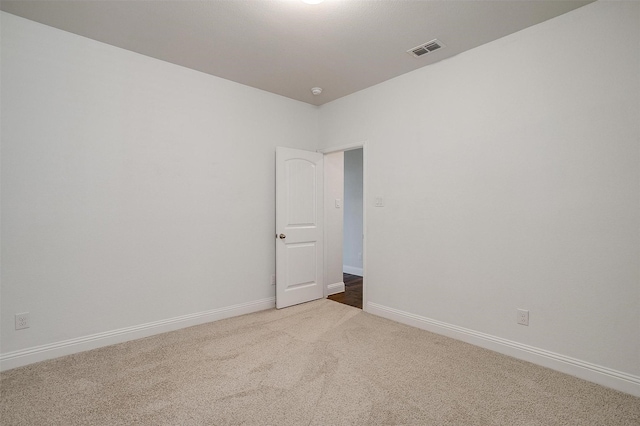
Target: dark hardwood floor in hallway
x,y
352,295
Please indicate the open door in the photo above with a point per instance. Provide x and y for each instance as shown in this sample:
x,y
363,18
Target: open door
x,y
299,226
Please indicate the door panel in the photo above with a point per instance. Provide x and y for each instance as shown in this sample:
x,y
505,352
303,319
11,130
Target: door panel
x,y
301,192
304,257
299,212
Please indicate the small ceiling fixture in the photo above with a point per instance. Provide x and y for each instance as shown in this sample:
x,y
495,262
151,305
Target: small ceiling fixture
x,y
425,48
316,90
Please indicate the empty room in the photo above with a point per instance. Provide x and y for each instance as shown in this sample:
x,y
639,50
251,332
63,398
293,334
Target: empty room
x,y
172,210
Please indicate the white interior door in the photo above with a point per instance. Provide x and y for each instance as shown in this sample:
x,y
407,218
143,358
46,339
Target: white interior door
x,y
299,222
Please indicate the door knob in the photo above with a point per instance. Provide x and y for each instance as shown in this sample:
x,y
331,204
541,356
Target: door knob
x,y
282,236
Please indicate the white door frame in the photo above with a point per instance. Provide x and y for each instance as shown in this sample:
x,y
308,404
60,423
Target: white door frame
x,y
349,147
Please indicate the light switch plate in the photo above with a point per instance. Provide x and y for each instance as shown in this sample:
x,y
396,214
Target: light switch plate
x,y
338,203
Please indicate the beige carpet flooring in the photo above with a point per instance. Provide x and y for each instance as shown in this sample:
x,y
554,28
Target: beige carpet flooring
x,y
320,363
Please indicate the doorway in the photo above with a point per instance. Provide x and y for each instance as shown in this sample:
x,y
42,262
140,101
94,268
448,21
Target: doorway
x,y
352,294
344,174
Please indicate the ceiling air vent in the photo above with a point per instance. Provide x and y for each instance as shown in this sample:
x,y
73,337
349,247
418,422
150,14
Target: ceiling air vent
x,y
425,48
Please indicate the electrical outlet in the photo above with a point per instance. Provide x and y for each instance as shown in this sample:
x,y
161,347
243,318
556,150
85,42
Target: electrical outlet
x,y
379,201
273,279
523,317
22,320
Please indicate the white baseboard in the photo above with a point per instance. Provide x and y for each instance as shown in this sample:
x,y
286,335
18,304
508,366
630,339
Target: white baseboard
x,y
67,347
614,379
335,288
352,270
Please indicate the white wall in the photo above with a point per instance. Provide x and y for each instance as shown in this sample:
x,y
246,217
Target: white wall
x,y
511,180
133,190
352,256
333,220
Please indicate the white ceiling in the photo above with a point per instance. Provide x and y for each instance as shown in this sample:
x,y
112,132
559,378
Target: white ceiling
x,y
287,47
